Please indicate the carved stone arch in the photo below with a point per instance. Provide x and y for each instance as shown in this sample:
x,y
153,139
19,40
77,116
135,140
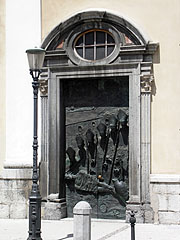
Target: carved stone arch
x,y
133,61
68,25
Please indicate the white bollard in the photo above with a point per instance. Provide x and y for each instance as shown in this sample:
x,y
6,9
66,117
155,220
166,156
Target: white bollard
x,y
82,221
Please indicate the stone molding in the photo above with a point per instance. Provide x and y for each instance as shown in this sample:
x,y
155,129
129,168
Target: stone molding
x,y
88,16
165,178
23,173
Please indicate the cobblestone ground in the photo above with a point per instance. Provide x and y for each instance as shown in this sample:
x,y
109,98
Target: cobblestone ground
x,y
101,230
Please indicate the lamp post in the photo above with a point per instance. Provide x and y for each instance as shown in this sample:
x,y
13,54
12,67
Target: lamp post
x,y
35,59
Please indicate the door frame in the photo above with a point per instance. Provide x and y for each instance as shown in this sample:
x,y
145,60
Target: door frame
x,y
53,168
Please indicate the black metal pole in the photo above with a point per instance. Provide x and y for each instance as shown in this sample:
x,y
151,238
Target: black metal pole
x,y
35,197
132,222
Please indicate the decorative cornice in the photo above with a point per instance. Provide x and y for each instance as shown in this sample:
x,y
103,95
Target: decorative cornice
x,y
146,83
165,178
152,47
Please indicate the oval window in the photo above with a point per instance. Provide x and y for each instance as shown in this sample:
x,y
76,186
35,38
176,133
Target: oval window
x,y
94,45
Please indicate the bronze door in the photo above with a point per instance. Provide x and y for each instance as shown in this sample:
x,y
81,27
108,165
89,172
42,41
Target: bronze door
x,y
97,144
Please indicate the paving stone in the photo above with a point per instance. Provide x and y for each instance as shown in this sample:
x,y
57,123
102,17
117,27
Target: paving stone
x,y
101,230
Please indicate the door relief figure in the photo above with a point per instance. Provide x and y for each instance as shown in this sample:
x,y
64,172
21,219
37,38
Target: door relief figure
x,y
97,155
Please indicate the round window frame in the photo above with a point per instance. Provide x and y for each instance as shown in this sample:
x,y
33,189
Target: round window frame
x,y
103,44
79,30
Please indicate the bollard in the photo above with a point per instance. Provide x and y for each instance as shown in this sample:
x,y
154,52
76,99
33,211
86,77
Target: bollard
x,y
132,222
82,221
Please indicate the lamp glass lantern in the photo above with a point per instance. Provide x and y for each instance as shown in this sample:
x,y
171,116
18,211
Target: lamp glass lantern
x,y
35,58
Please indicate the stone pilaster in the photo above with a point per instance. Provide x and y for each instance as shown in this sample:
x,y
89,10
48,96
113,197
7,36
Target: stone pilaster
x,y
146,86
44,136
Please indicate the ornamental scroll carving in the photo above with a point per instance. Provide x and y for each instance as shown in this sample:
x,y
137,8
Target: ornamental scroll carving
x,y
43,87
146,83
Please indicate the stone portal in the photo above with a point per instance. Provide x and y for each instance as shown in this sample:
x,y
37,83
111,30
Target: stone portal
x,y
105,104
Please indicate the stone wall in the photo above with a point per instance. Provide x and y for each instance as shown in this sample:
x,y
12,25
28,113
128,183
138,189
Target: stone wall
x,y
15,185
165,198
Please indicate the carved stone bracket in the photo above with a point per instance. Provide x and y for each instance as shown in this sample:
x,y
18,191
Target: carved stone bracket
x,y
44,87
146,83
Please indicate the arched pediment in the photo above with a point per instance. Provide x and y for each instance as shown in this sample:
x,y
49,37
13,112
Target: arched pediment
x,y
88,17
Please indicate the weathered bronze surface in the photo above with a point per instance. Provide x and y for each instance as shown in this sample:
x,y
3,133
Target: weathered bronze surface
x,y
97,145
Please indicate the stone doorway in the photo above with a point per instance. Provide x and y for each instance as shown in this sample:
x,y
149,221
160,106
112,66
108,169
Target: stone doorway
x,y
133,60
97,144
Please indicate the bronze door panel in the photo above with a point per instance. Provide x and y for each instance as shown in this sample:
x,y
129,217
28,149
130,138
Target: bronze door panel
x,y
97,144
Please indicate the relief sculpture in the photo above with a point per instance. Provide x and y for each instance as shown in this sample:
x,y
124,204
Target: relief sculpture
x,y
97,146
98,163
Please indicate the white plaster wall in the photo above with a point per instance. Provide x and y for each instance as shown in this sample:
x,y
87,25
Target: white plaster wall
x,y
2,83
23,31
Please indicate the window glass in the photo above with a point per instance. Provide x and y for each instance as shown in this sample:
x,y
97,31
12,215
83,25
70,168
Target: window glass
x,y
89,38
100,37
110,39
80,51
95,44
100,53
79,42
110,49
89,53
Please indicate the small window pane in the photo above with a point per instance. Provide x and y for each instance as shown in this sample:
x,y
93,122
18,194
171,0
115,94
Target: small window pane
x,y
100,37
110,50
80,51
79,41
89,38
89,53
109,39
100,52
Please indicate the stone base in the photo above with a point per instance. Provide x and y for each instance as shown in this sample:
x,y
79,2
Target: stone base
x,y
53,210
165,198
143,212
15,185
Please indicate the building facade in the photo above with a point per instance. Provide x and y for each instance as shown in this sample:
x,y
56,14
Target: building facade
x,y
106,63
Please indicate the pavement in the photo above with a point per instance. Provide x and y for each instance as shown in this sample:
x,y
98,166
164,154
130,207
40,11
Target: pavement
x,y
13,229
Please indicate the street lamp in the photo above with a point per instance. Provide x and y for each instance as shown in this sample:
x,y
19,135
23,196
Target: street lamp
x,y
35,59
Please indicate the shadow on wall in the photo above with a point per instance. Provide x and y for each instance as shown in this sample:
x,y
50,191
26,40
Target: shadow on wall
x,y
68,236
156,60
156,56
